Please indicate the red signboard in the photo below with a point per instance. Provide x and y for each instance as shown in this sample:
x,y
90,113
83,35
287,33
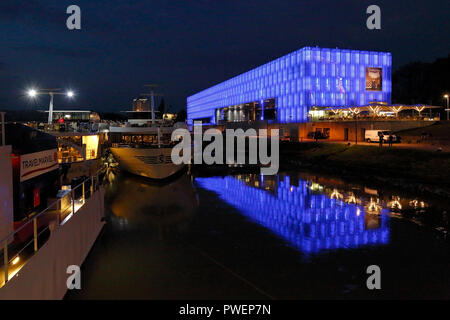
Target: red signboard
x,y
36,197
34,164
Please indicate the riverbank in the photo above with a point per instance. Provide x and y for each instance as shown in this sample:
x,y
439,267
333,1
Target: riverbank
x,y
436,135
417,170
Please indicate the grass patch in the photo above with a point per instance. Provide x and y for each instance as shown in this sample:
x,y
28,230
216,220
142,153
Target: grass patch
x,y
410,163
437,130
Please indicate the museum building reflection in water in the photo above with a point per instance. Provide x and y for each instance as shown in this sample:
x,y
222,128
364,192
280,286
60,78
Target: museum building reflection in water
x,y
309,216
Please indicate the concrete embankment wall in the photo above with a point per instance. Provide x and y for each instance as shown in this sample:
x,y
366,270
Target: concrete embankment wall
x,y
346,130
338,130
44,276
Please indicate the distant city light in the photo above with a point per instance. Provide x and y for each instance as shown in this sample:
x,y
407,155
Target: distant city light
x,y
70,94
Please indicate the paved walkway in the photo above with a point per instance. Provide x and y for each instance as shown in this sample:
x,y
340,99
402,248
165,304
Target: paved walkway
x,y
419,146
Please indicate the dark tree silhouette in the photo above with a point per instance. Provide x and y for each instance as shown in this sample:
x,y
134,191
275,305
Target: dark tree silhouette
x,y
112,116
25,115
162,107
181,115
422,83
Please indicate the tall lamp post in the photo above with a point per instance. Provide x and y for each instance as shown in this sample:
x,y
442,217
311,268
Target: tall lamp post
x,y
33,93
448,110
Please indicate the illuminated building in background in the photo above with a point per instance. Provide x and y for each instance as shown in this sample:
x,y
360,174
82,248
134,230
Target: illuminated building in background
x,y
62,116
285,89
307,220
141,104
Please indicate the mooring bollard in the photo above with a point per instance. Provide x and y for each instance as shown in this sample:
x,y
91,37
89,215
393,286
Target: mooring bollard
x,y
84,197
73,201
5,259
35,235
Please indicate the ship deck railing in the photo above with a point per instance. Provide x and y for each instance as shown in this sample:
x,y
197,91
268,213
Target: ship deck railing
x,y
21,244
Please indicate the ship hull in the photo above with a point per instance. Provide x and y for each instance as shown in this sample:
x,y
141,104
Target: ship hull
x,y
154,163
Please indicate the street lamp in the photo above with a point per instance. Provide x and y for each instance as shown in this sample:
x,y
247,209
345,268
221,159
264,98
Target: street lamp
x,y
446,97
33,93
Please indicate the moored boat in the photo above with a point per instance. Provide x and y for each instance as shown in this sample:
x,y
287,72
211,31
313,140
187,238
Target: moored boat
x,y
143,145
144,151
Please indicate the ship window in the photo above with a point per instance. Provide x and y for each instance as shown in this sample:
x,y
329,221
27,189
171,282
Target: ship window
x,y
149,139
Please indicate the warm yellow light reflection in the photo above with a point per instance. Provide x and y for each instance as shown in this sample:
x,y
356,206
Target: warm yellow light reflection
x,y
373,206
416,203
336,195
395,203
16,260
351,198
315,187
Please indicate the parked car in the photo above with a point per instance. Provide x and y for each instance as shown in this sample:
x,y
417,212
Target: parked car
x,y
320,135
374,136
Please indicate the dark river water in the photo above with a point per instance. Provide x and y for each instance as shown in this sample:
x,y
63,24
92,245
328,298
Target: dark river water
x,y
291,236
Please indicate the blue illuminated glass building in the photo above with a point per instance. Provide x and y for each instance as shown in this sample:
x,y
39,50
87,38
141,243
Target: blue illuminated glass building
x,y
285,89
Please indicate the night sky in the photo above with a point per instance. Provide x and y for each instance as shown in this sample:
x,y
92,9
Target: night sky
x,y
186,46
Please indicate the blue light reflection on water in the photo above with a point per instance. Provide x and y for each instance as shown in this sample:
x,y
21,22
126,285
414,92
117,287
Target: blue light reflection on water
x,y
308,221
